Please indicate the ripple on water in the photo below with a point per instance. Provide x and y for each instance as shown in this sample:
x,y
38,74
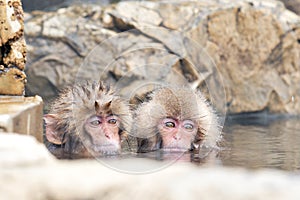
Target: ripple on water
x,y
272,144
275,144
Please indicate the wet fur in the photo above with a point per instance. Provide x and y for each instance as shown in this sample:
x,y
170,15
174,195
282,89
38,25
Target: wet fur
x,y
175,102
74,105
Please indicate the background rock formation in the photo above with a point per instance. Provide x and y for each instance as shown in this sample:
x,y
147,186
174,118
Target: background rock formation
x,y
254,44
293,5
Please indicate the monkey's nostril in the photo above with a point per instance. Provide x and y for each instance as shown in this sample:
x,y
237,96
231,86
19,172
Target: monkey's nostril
x,y
176,137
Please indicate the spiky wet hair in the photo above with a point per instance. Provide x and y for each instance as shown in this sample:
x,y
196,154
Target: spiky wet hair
x,y
178,102
76,103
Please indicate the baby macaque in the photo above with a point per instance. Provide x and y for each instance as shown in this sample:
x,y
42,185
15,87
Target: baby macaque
x,y
175,119
87,120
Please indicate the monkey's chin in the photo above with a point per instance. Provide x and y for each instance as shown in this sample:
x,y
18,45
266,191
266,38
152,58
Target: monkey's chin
x,y
175,149
107,149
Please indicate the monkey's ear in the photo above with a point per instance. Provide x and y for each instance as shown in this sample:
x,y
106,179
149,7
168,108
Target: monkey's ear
x,y
52,134
107,106
97,106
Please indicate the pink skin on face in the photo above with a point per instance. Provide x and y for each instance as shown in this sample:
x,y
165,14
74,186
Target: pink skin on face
x,y
177,135
104,132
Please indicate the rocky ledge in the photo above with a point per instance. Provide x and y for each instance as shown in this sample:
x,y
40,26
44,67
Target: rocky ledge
x,y
28,171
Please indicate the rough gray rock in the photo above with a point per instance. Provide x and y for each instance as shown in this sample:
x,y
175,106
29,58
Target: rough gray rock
x,y
254,44
293,5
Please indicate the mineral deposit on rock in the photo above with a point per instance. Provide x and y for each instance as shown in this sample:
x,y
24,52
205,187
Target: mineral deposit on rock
x,y
12,48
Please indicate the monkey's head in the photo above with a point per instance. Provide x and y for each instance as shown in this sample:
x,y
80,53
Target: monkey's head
x,y
176,119
88,119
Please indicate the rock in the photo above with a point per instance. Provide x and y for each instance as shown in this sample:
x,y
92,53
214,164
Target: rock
x,y
55,56
23,115
20,150
12,81
12,48
253,81
85,179
252,73
293,5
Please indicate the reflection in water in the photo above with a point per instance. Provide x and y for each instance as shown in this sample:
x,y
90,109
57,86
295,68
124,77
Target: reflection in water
x,y
141,163
250,144
275,144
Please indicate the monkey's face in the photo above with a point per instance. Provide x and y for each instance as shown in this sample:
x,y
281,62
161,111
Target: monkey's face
x,y
101,134
177,135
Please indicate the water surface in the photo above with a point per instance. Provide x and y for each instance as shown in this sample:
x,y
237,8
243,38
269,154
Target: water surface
x,y
249,143
262,143
252,144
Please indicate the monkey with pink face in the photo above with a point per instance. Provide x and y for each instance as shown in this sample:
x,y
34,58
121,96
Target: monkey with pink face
x,y
91,120
87,120
175,119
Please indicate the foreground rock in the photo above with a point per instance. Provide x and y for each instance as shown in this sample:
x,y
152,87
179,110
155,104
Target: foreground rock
x,y
91,180
253,43
27,171
20,151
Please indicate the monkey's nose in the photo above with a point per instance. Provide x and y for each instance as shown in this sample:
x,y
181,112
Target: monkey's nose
x,y
108,135
176,137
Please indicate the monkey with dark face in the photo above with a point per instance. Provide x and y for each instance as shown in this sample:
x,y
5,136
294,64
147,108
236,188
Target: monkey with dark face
x,y
87,120
175,119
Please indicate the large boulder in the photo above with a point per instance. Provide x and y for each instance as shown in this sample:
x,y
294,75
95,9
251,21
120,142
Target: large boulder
x,y
253,44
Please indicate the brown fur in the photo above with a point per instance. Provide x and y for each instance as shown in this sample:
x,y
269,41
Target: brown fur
x,y
75,104
182,103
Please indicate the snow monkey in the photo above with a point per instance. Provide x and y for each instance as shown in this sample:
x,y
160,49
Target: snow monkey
x,y
175,119
86,120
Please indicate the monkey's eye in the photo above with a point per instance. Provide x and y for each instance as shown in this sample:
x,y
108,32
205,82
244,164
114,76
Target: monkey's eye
x,y
95,122
112,121
170,124
188,126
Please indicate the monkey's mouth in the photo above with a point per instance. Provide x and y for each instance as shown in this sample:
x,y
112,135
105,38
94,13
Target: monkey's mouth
x,y
175,146
175,149
105,149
